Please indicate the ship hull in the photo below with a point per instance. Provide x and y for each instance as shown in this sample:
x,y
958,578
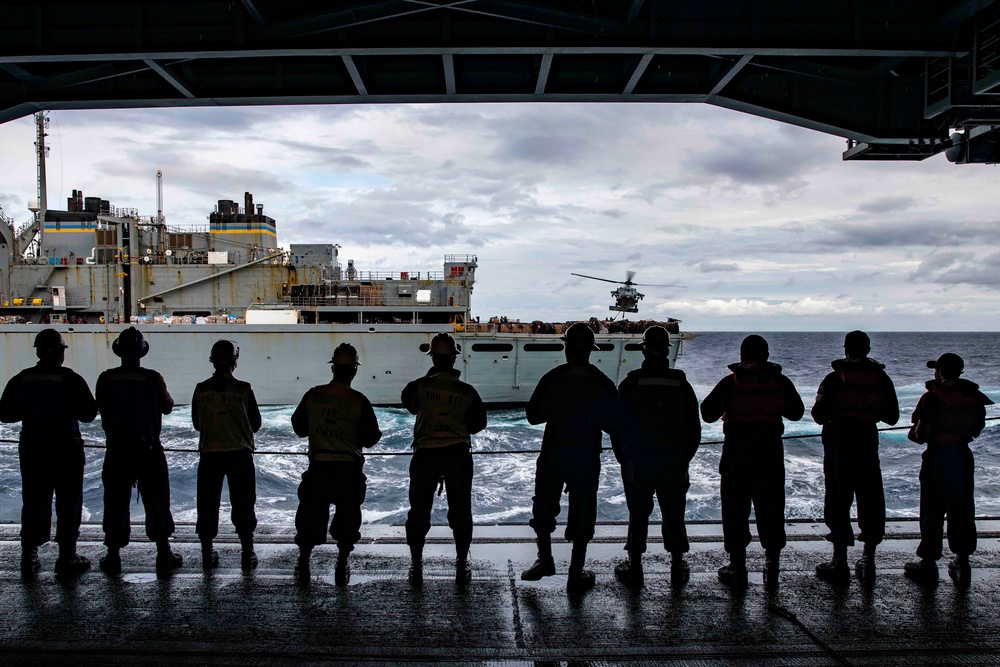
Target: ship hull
x,y
282,361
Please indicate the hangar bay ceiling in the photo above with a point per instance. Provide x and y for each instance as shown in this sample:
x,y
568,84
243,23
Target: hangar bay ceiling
x,y
896,79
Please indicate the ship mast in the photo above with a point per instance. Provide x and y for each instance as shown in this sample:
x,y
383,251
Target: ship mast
x,y
41,124
159,211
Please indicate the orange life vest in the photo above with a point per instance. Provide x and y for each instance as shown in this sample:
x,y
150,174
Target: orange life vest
x,y
758,398
860,396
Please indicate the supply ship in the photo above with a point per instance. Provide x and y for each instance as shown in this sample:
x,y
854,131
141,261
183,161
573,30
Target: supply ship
x,y
93,269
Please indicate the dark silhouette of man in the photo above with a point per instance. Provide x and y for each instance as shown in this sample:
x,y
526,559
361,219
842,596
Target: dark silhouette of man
x,y
751,402
50,401
947,418
449,412
339,422
132,401
659,433
576,402
224,411
849,404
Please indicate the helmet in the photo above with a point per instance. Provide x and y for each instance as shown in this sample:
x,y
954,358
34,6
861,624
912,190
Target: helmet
x,y
950,364
49,339
444,343
754,348
656,340
130,344
580,337
345,355
224,352
857,342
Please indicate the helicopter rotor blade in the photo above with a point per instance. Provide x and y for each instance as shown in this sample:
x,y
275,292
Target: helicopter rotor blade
x,y
617,282
629,275
651,285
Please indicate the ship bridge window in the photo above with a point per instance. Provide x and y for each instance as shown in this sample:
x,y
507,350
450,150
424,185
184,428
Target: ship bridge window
x,y
492,347
605,347
633,347
543,347
423,296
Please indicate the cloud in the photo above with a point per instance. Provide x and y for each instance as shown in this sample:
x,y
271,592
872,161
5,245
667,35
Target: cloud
x,y
714,267
779,161
884,205
955,270
934,233
752,307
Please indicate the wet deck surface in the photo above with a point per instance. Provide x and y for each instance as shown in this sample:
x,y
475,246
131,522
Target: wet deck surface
x,y
269,618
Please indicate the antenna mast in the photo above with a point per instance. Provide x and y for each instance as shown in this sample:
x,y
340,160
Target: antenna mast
x,y
41,124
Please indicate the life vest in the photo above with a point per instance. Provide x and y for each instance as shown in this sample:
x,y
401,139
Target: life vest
x,y
958,415
443,400
334,411
653,403
128,405
758,398
222,412
860,395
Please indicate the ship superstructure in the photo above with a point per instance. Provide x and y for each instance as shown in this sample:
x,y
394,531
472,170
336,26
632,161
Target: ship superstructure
x,y
92,269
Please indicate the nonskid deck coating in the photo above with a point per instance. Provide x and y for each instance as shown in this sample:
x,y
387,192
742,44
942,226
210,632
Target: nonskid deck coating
x,y
268,618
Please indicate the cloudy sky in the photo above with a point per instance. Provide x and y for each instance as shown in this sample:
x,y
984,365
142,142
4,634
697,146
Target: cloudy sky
x,y
763,224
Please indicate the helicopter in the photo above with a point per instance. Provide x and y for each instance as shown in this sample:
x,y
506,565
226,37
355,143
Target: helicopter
x,y
627,297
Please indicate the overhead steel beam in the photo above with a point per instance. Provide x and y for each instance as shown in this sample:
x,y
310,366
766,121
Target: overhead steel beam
x,y
730,75
254,13
171,78
637,73
449,73
471,50
352,70
633,11
543,73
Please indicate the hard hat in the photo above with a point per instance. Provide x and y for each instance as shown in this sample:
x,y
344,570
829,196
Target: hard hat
x,y
580,337
443,343
224,352
754,348
345,355
656,339
49,339
130,344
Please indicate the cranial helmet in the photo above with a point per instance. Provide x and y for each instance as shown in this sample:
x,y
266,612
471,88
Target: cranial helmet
x,y
130,344
656,340
444,344
49,339
345,355
580,337
754,348
224,352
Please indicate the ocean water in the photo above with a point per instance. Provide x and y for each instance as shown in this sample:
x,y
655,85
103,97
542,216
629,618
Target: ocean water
x,y
504,481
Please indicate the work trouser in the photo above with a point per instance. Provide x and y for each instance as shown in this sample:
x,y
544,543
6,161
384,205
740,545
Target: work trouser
x,y
852,471
427,467
578,470
946,489
667,479
752,471
145,466
237,467
325,483
51,467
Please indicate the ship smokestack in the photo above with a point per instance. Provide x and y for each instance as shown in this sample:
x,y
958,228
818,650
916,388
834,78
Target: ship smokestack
x,y
248,203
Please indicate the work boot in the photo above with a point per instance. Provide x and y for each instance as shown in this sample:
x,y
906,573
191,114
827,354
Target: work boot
x,y
166,559
835,571
629,572
865,567
680,571
248,557
463,571
342,572
922,571
544,565
579,579
301,570
30,564
772,565
71,565
111,563
416,574
959,570
735,574
209,556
